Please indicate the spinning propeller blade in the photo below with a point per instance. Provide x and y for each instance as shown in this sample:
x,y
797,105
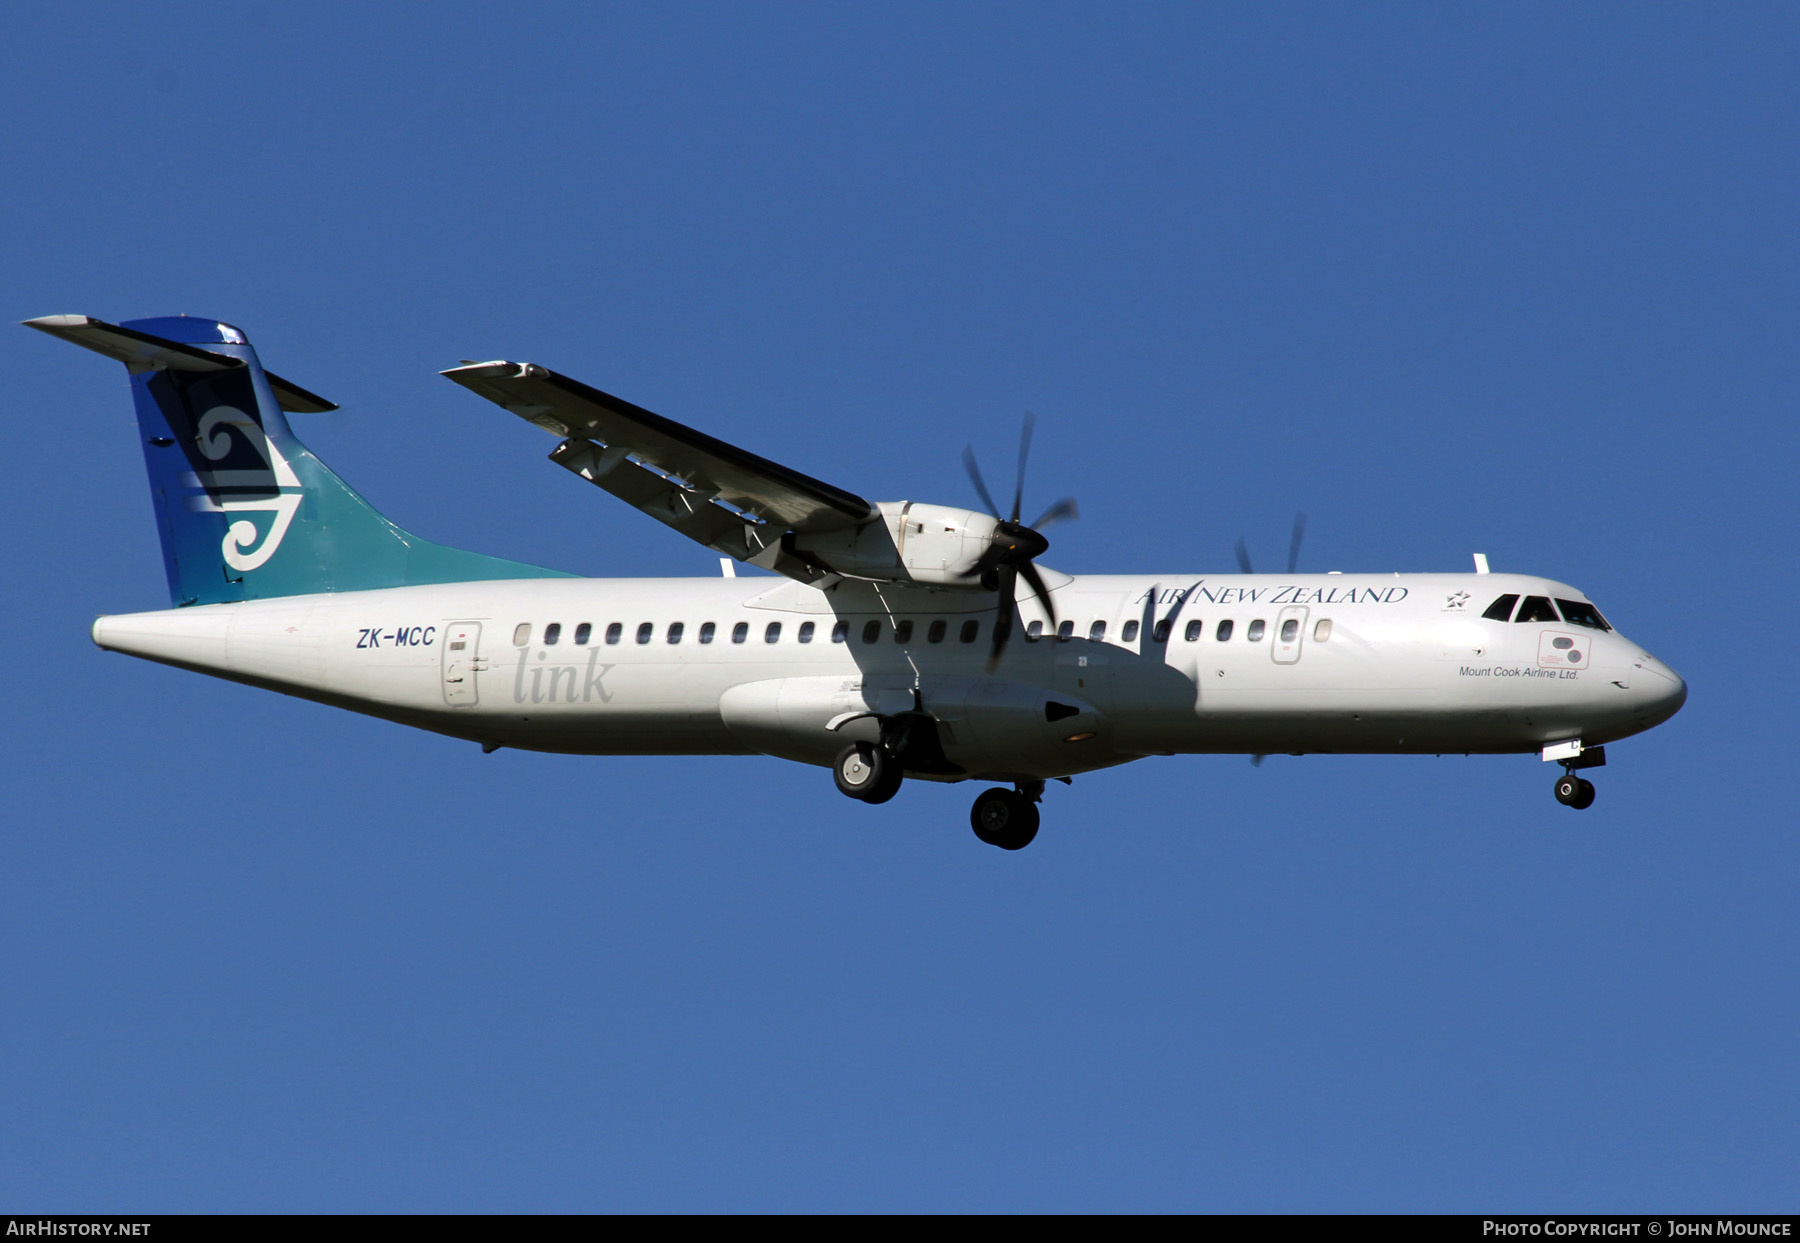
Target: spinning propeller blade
x,y
976,479
1025,427
1013,547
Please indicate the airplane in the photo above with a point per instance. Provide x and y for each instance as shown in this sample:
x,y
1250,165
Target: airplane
x,y
891,642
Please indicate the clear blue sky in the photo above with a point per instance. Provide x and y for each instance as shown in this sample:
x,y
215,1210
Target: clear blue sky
x,y
1511,279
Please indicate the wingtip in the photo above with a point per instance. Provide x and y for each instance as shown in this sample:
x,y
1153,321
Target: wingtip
x,y
469,364
52,323
498,368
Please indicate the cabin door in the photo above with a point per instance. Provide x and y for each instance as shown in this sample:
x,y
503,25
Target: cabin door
x,y
1290,634
462,661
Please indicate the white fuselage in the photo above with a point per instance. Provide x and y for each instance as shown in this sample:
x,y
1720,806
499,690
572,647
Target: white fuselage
x,y
1406,664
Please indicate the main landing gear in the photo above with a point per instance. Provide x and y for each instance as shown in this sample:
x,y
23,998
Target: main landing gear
x,y
1007,818
865,770
871,773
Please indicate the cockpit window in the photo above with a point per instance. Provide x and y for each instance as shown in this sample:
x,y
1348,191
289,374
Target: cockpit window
x,y
1581,613
1536,609
1501,609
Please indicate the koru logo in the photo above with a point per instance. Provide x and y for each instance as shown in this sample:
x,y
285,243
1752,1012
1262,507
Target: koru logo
x,y
240,547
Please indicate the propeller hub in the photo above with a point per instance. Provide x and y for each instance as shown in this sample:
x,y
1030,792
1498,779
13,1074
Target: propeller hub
x,y
1015,542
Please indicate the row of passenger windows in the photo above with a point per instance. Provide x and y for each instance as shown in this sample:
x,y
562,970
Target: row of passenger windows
x,y
902,632
1191,633
740,633
1539,609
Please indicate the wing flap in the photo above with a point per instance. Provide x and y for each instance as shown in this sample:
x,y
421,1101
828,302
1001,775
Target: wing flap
x,y
687,510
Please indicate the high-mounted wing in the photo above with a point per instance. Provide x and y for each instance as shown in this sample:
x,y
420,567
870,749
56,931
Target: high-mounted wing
x,y
725,497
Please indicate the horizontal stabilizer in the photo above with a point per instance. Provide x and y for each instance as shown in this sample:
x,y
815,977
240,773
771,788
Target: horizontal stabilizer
x,y
140,351
137,350
294,399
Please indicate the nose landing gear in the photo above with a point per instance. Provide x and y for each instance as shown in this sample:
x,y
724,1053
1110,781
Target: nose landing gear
x,y
1573,791
1007,818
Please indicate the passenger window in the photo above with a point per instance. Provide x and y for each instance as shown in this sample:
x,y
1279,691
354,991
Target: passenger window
x,y
1160,631
552,633
1536,609
1501,609
676,630
645,632
1322,630
806,632
772,633
840,632
937,630
1290,630
903,632
871,631
1223,633
740,632
614,632
582,633
1581,613
1065,632
970,630
1129,634
1034,631
1254,632
1192,633
521,634
707,630
1097,632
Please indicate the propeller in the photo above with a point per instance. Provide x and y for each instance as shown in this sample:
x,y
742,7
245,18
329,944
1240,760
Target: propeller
x,y
1294,543
1014,546
1243,552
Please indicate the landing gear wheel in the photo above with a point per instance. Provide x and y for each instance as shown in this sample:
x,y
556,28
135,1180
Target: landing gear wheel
x,y
1573,791
864,772
1005,819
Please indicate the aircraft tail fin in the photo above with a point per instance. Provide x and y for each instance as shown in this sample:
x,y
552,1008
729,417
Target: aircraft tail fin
x,y
244,509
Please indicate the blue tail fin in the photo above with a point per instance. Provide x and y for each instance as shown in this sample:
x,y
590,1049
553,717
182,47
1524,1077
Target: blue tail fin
x,y
244,509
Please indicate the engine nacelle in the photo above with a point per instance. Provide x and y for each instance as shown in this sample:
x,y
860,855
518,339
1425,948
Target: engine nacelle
x,y
909,542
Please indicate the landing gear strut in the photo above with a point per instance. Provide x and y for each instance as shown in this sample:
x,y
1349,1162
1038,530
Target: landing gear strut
x,y
1007,818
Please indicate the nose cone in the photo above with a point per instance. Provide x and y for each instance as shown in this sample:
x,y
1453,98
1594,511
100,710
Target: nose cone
x,y
1663,690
